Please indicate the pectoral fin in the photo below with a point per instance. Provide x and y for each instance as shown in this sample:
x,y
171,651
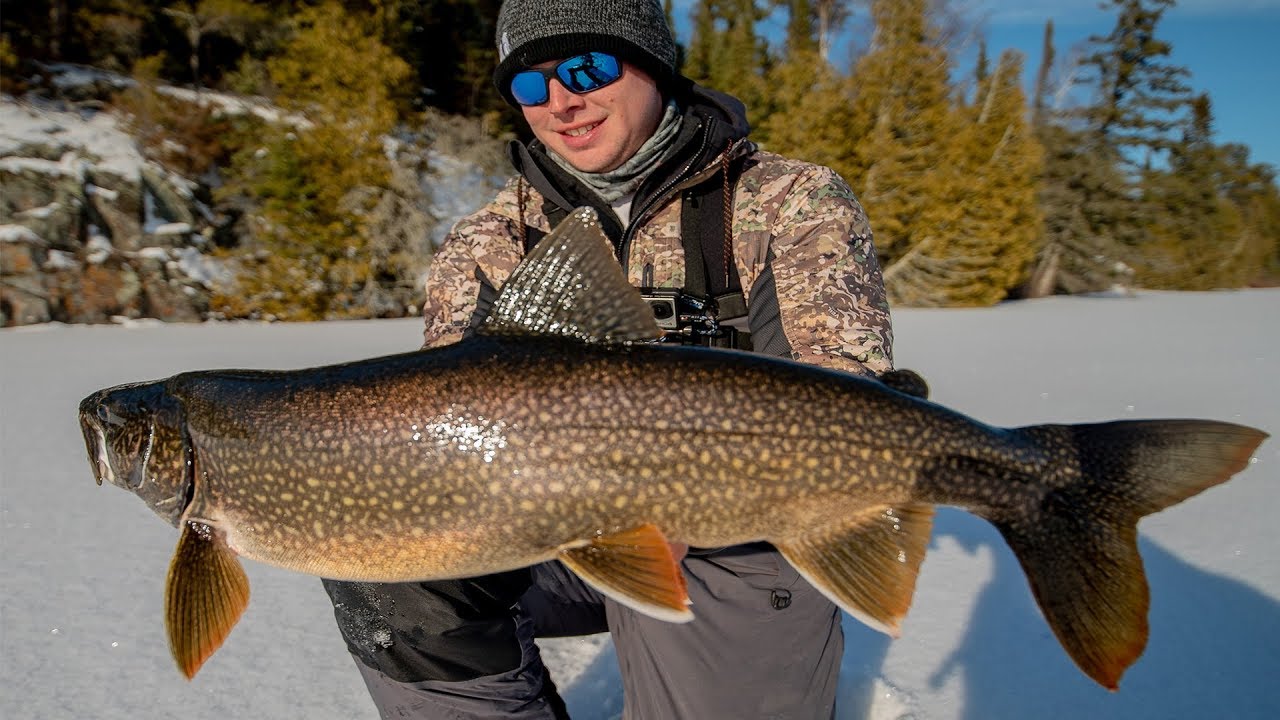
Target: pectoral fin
x,y
868,565
635,567
205,593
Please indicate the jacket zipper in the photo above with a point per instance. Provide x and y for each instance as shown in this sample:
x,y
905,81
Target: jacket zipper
x,y
637,218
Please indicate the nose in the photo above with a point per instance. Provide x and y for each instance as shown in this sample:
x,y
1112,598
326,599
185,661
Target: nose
x,y
560,100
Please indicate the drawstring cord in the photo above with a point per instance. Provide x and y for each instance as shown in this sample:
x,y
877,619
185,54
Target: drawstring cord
x,y
728,212
524,230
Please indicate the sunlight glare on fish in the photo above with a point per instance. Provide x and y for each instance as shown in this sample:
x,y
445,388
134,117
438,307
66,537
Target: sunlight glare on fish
x,y
467,434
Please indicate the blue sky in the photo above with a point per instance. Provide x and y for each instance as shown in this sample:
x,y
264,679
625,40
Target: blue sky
x,y
1231,47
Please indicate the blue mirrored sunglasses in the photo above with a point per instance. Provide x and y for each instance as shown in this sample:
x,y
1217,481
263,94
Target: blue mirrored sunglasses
x,y
579,74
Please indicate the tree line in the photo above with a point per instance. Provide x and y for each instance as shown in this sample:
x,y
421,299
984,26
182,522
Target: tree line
x,y
1105,173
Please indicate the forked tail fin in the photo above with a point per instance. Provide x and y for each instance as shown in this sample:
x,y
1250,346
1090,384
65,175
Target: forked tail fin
x,y
1079,546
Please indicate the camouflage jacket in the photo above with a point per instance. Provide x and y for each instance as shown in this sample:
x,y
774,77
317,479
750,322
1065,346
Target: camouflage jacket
x,y
801,244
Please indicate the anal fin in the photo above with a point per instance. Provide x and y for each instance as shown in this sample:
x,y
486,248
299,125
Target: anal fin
x,y
867,565
637,568
205,594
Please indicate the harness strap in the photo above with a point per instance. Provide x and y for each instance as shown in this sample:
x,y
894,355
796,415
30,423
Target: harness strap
x,y
707,215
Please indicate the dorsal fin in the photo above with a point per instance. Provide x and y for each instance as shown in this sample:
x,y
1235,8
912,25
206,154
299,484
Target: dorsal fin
x,y
570,285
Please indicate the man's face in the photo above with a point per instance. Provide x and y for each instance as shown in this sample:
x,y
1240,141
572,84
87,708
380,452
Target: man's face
x,y
598,131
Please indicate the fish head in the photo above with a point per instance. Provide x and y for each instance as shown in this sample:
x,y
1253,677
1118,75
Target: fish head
x,y
136,439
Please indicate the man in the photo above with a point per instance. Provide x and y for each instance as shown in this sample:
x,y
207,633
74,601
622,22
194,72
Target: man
x,y
689,202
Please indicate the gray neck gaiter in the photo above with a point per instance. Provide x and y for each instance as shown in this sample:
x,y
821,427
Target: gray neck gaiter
x,y
624,179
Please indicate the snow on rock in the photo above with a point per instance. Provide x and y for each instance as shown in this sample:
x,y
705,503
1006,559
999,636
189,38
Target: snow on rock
x,y
98,136
60,260
173,228
19,233
71,172
76,180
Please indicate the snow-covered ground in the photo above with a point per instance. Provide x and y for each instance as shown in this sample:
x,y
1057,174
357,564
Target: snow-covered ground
x,y
82,568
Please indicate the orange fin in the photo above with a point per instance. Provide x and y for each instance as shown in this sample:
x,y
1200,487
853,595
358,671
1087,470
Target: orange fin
x,y
205,594
636,567
868,565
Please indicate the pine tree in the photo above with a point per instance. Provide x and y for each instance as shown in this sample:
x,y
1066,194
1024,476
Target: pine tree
x,y
808,99
726,53
829,16
1200,236
213,17
901,124
987,249
1141,99
1083,195
1252,189
109,32
316,181
1140,103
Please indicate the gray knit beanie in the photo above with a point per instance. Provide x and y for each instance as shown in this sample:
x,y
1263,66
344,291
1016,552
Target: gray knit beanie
x,y
535,31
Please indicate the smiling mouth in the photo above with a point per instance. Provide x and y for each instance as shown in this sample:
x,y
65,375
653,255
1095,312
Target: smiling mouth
x,y
578,132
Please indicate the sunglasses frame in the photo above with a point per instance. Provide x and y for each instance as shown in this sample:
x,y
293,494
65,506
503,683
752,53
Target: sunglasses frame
x,y
585,61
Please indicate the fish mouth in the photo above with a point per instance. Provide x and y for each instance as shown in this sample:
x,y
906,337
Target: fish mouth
x,y
95,441
93,416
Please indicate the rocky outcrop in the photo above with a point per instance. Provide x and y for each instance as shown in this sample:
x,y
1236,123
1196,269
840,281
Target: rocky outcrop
x,y
89,230
92,231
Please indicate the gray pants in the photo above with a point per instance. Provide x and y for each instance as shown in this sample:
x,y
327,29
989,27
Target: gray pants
x,y
764,644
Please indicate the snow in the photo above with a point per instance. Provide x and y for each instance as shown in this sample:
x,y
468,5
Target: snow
x,y
42,212
17,165
19,234
105,193
98,136
454,186
236,105
98,248
172,228
61,260
81,624
204,269
153,253
66,75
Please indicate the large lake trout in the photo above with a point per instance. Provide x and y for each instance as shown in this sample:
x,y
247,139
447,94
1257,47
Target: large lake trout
x,y
559,431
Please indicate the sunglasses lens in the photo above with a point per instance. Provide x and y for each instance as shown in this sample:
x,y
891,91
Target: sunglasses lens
x,y
580,74
529,88
588,72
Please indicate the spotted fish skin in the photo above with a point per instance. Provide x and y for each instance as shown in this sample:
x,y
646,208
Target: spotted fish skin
x,y
495,453
560,432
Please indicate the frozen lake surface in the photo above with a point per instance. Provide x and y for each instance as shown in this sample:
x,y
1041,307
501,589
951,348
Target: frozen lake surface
x,y
82,568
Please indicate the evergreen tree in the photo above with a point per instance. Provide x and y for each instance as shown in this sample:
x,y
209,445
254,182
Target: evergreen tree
x,y
1140,102
1141,99
211,17
1082,200
901,125
1252,190
727,53
829,16
1199,237
808,99
316,182
1047,57
988,247
108,33
1083,196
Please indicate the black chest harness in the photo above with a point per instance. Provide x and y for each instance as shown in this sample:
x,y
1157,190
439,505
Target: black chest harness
x,y
709,309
